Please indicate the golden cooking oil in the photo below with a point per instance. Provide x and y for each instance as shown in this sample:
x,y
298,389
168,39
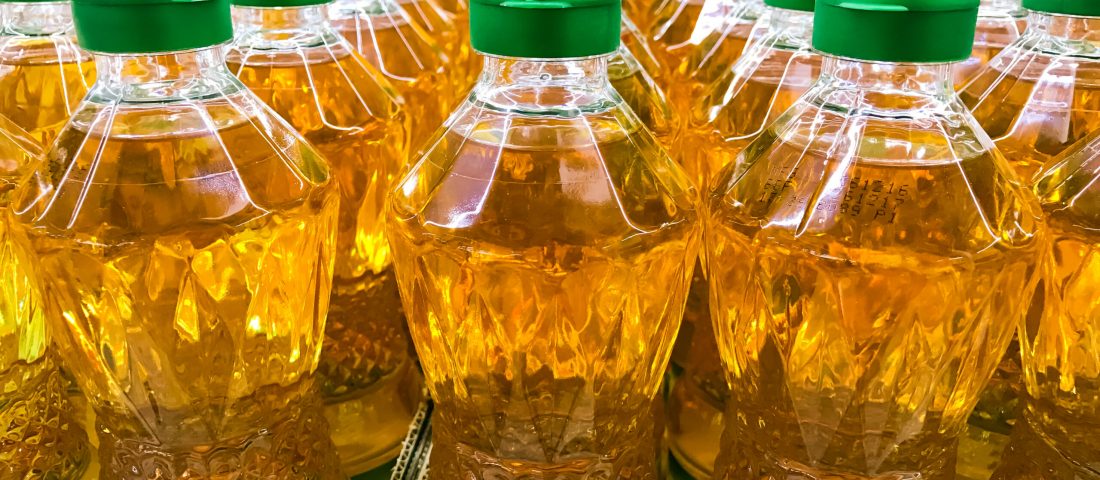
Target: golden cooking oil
x,y
348,111
543,248
43,73
629,70
697,41
1041,94
1061,361
189,233
42,435
869,256
1000,22
391,40
764,82
451,32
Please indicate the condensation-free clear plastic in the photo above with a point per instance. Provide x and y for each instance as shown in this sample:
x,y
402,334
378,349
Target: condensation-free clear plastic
x,y
299,65
1000,22
1041,94
188,232
43,73
543,244
631,70
870,255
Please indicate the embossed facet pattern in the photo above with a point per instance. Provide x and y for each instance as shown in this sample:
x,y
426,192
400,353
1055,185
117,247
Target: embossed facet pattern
x,y
867,270
189,236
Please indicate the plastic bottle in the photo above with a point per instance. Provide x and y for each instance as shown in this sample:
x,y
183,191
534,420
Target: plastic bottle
x,y
189,235
544,244
288,55
1000,22
633,72
870,255
1041,94
43,73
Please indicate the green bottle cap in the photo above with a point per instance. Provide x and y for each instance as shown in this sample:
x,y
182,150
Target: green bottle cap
x,y
278,3
896,31
545,28
1080,8
803,5
151,26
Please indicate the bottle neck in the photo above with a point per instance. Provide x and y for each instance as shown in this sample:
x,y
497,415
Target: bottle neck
x,y
169,75
888,86
794,27
1065,27
36,18
278,21
565,86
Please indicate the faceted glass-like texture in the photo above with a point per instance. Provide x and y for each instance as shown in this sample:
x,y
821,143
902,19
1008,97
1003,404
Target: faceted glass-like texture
x,y
1000,22
543,247
631,70
311,76
869,257
41,436
189,235
1042,93
43,73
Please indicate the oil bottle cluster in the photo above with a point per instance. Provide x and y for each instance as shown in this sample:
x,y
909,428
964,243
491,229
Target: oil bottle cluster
x,y
732,239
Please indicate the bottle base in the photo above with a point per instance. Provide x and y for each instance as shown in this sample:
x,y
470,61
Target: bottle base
x,y
695,428
369,427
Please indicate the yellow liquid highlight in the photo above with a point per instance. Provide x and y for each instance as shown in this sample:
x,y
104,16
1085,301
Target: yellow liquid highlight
x,y
190,273
645,98
1061,358
1033,122
410,61
41,82
41,435
857,347
543,316
339,106
696,43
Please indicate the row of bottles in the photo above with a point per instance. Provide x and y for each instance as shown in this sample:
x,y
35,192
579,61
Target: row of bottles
x,y
230,222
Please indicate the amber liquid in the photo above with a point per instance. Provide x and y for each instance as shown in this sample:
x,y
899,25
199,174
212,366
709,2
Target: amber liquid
x,y
640,91
354,122
42,81
544,277
859,321
1061,358
189,283
1031,122
42,438
697,46
413,65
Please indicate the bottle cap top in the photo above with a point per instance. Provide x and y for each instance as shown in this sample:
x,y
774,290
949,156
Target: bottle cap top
x,y
803,5
1081,8
151,26
278,3
897,31
545,28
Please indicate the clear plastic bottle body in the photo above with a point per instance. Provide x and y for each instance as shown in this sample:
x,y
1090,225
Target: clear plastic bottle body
x,y
631,71
543,247
1060,358
43,73
1039,96
697,41
867,255
1000,22
190,234
773,73
391,40
42,437
302,68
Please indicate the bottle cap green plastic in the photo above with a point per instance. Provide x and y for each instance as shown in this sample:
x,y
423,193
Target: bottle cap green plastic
x,y
151,26
1080,8
803,5
545,28
896,31
278,3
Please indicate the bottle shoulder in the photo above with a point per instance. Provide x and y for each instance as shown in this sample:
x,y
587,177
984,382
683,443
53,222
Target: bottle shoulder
x,y
926,181
122,170
519,179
